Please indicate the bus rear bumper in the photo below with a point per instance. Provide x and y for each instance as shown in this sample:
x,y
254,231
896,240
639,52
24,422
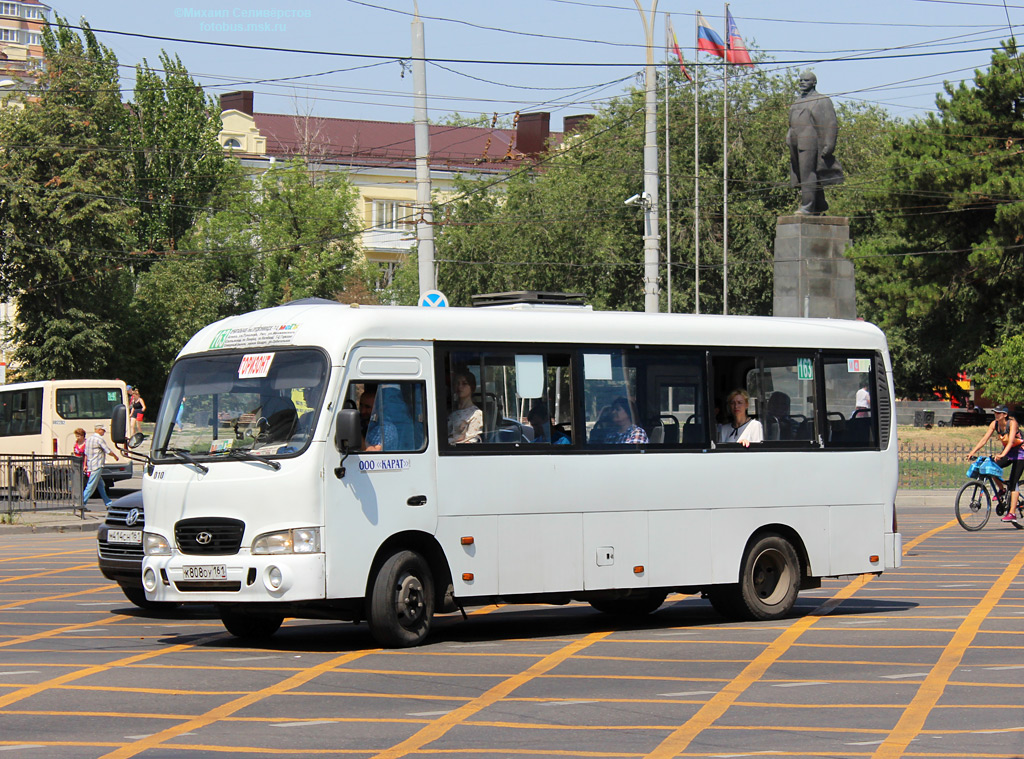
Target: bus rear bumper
x,y
241,578
893,550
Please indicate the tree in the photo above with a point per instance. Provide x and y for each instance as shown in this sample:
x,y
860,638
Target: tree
x,y
943,273
62,219
176,162
288,233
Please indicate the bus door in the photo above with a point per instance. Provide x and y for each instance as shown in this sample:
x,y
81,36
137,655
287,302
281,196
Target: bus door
x,y
390,485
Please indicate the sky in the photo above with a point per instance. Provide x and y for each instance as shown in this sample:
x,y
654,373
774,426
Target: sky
x,y
561,56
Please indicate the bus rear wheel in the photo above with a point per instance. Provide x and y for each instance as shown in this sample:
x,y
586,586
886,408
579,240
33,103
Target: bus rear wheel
x,y
250,626
401,602
770,580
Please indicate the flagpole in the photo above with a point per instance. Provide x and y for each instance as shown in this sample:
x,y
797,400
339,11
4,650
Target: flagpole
x,y
725,169
668,187
696,166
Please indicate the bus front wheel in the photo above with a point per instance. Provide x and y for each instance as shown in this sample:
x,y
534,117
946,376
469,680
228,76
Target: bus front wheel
x,y
401,602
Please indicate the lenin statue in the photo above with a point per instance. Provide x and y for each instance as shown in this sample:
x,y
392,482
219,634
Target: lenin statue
x,y
812,140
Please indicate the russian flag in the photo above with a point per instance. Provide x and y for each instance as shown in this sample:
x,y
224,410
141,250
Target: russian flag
x,y
708,39
737,51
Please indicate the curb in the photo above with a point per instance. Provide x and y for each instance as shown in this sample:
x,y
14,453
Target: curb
x,y
24,529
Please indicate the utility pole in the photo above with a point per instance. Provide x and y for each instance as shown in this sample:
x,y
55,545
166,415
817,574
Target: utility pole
x,y
652,238
425,213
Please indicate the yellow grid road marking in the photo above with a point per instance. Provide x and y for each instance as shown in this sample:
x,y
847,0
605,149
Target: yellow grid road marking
x,y
927,696
718,704
225,710
445,723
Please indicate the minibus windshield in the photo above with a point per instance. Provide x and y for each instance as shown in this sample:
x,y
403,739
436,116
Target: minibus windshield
x,y
258,403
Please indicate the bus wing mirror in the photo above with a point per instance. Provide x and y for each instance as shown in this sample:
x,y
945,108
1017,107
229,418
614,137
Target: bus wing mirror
x,y
119,424
348,432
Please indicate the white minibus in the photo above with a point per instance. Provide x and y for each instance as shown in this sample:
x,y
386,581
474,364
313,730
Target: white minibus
x,y
40,418
320,460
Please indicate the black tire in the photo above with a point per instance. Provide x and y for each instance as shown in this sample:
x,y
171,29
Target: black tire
x,y
631,607
138,597
401,603
770,580
973,505
251,626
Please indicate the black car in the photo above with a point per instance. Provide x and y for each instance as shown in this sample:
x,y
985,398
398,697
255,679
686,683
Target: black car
x,y
119,543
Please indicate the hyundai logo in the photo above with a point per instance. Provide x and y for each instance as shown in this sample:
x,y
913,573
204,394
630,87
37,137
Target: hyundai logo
x,y
204,538
132,517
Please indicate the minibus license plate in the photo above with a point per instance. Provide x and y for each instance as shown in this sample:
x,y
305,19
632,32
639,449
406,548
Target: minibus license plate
x,y
124,536
214,572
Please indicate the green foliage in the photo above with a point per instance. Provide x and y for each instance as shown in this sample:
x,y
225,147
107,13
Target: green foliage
x,y
62,221
948,257
176,162
562,225
286,234
999,370
174,299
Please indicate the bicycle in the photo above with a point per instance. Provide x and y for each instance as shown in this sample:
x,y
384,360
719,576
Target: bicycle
x,y
974,502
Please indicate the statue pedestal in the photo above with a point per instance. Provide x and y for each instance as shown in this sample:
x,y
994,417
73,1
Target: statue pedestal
x,y
812,278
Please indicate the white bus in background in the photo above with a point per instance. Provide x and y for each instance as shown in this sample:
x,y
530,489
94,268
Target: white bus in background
x,y
40,418
261,499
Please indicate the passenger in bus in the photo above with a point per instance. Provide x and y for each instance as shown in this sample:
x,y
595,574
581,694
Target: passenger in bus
x,y
623,429
540,419
466,421
777,409
741,428
366,400
390,427
602,430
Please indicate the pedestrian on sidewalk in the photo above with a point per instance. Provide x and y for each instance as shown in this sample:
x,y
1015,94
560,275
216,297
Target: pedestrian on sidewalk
x,y
96,451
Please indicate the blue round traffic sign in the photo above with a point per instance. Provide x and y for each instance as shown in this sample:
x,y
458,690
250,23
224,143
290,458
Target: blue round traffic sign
x,y
433,299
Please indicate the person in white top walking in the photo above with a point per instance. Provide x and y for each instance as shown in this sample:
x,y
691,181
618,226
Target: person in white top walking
x,y
96,451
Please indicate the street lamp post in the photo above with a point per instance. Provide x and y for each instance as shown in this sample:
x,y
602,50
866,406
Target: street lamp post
x,y
652,239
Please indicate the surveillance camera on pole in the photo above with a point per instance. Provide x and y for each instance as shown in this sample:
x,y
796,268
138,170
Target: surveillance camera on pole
x,y
642,199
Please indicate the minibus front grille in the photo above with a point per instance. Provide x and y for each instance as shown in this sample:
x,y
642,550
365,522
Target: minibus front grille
x,y
120,550
197,587
209,536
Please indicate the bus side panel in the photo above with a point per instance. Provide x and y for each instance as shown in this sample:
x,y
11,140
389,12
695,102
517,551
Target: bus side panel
x,y
732,528
479,560
853,556
540,553
615,544
680,547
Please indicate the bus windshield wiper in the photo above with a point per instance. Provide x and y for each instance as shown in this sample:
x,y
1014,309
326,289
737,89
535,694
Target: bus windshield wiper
x,y
242,453
182,455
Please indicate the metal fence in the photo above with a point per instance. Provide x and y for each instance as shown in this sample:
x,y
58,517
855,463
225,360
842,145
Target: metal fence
x,y
936,466
40,483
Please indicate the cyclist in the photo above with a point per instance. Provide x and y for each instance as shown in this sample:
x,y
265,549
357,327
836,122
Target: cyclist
x,y
1012,455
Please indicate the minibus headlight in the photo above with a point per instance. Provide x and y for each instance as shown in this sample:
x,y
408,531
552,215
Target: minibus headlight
x,y
155,545
303,540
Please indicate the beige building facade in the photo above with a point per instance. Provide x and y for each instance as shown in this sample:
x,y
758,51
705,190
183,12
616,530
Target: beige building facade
x,y
380,160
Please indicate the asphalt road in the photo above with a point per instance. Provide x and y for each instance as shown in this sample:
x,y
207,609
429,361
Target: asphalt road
x,y
924,661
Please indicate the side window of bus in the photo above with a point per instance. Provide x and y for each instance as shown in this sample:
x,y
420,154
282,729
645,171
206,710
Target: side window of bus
x,y
764,398
510,397
850,401
393,415
651,398
21,412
